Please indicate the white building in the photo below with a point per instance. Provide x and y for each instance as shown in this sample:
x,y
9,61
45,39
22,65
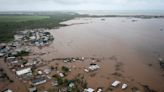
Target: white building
x,y
24,71
124,86
32,38
89,90
94,67
38,81
116,83
7,90
2,54
61,74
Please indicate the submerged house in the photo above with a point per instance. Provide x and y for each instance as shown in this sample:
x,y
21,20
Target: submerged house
x,y
115,83
89,90
7,90
32,89
18,37
2,54
38,81
25,71
93,67
10,59
124,86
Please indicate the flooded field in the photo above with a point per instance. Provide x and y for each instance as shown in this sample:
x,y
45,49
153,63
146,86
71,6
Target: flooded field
x,y
128,50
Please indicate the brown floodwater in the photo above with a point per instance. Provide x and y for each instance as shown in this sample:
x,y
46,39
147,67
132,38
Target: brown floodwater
x,y
134,44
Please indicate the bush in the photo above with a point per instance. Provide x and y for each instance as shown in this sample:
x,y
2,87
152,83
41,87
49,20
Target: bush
x,y
22,53
65,69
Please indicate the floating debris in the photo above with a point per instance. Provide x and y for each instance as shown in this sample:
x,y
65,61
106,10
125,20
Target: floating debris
x,y
135,89
117,74
147,89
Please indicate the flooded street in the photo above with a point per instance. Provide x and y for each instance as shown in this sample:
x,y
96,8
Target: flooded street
x,y
17,84
135,44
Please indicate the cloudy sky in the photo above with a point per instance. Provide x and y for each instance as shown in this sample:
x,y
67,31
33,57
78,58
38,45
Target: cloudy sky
x,y
43,5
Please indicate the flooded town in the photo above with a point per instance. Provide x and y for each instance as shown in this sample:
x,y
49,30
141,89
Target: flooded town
x,y
81,45
88,55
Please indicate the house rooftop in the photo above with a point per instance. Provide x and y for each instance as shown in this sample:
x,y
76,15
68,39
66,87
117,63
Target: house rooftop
x,y
7,90
89,90
38,81
23,71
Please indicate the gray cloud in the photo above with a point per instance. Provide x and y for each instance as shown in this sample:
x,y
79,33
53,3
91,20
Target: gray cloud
x,y
80,4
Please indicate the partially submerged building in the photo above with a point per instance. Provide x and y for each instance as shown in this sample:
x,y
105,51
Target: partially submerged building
x,y
115,83
32,89
89,90
24,71
7,90
38,81
93,67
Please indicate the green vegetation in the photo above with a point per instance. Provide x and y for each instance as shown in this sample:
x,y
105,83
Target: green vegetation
x,y
65,69
22,18
10,24
79,84
60,80
22,53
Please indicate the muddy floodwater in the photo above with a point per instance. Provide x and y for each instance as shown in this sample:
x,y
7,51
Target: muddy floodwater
x,y
128,46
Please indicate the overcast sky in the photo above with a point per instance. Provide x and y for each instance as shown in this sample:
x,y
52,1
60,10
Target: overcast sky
x,y
37,5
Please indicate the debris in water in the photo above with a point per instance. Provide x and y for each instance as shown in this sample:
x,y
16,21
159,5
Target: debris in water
x,y
147,89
